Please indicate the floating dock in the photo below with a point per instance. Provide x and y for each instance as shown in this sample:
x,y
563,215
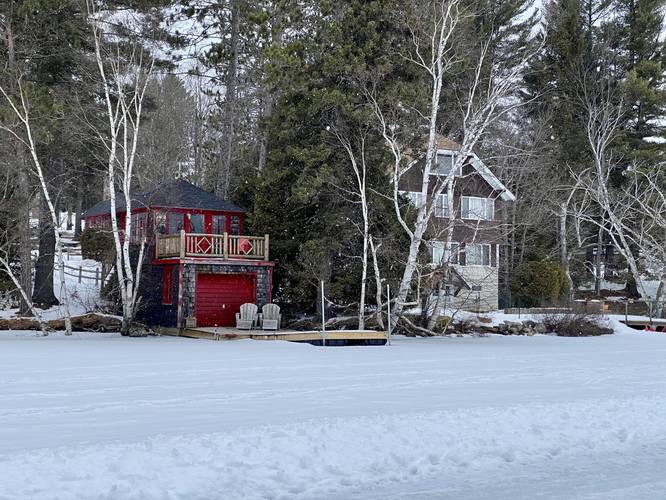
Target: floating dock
x,y
314,337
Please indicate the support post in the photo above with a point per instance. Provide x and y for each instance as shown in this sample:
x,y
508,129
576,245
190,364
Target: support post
x,y
388,314
182,243
226,246
266,247
323,316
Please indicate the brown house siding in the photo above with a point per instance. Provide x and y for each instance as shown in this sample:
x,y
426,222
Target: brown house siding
x,y
484,279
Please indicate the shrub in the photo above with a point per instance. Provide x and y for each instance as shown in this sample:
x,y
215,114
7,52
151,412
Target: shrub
x,y
97,244
577,325
535,283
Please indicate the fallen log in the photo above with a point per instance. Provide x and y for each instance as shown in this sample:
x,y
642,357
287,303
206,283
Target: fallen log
x,y
91,322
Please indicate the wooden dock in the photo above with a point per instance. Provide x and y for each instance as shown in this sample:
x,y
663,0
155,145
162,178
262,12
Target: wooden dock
x,y
658,324
314,337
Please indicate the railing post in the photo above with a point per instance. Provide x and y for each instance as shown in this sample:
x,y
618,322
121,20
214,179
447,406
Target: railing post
x,y
265,247
182,243
226,246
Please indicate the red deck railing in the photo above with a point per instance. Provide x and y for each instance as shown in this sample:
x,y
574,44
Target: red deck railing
x,y
223,246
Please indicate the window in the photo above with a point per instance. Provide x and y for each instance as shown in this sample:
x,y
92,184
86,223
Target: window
x,y
478,208
167,288
139,222
219,224
444,162
175,222
437,252
196,223
414,197
477,254
235,225
159,216
442,205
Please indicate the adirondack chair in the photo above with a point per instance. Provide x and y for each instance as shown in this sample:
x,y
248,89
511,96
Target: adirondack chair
x,y
247,317
270,317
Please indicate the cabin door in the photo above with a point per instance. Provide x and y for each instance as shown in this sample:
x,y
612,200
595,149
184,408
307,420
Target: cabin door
x,y
219,297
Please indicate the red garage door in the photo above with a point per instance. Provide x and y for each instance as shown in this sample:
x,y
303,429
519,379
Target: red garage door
x,y
219,297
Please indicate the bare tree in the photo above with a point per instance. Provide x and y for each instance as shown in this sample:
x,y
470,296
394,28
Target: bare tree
x,y
356,152
601,207
486,101
124,110
21,110
646,224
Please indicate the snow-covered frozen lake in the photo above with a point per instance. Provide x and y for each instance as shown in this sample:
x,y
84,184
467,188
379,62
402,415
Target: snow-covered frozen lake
x,y
100,416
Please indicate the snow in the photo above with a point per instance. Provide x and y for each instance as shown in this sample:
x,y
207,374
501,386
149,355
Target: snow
x,y
102,416
83,297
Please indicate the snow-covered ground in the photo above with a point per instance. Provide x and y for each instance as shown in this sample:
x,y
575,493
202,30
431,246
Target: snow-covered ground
x,y
100,416
83,296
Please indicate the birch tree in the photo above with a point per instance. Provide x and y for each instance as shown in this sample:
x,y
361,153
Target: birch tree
x,y
357,159
601,206
124,76
20,108
434,53
644,195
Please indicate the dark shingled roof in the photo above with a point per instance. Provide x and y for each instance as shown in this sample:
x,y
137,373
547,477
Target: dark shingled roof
x,y
169,194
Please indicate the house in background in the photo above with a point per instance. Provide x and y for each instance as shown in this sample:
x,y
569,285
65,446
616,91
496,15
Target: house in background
x,y
473,283
199,265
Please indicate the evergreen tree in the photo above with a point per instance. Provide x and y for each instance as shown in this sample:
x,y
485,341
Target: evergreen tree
x,y
643,56
298,199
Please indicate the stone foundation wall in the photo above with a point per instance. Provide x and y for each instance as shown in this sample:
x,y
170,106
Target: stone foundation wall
x,y
483,300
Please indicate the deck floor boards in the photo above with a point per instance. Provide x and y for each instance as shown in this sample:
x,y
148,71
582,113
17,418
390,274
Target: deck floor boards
x,y
213,333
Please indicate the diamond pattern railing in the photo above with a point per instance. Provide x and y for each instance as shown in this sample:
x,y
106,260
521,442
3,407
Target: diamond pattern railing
x,y
225,246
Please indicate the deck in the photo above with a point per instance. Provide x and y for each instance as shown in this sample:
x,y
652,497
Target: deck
x,y
333,337
224,246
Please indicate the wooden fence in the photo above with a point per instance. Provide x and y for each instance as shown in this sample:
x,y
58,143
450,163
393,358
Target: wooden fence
x,y
83,273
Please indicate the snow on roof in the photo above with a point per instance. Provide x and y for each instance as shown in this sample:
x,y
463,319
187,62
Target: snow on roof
x,y
491,179
446,144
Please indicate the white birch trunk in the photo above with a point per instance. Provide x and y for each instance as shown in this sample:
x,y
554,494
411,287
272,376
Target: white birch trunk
x,y
124,112
23,115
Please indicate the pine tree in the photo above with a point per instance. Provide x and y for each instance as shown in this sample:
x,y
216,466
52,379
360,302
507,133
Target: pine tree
x,y
321,76
643,56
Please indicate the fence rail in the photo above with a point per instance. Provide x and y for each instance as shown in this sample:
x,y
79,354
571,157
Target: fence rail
x,y
83,273
225,246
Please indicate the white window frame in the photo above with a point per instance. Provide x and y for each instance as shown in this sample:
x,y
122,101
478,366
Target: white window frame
x,y
483,246
439,247
415,198
442,210
452,154
488,208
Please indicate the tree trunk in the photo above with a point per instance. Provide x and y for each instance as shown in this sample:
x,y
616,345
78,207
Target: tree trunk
x,y
564,246
229,119
24,197
42,294
78,208
24,236
598,264
263,144
378,283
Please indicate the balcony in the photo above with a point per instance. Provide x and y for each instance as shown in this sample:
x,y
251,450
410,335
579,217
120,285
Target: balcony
x,y
221,246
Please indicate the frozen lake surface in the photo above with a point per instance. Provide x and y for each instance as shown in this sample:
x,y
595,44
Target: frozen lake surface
x,y
101,416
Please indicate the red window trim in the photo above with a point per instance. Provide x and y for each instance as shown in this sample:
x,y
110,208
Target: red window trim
x,y
167,286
